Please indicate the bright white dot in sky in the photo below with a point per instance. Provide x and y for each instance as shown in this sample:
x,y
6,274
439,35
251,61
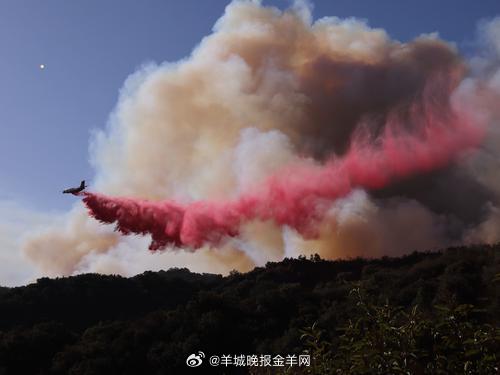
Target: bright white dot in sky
x,y
42,66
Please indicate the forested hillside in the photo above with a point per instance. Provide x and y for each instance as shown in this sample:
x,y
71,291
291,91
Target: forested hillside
x,y
149,324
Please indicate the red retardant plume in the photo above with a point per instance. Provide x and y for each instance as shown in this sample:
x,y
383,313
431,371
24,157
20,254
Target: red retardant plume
x,y
299,195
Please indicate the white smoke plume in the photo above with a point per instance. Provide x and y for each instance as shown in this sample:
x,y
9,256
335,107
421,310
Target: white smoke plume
x,y
265,89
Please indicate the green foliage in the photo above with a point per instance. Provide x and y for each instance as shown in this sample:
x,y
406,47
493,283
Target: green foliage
x,y
319,349
385,339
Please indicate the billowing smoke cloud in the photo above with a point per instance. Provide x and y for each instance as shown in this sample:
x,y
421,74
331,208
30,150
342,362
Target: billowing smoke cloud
x,y
16,221
298,196
253,139
484,167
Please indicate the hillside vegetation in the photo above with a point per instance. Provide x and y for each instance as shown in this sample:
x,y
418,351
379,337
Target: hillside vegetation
x,y
422,313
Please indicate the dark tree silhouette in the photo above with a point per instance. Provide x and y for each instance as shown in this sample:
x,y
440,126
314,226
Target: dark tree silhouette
x,y
96,324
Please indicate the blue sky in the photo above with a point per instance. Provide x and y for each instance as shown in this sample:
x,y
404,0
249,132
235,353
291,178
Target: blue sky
x,y
89,47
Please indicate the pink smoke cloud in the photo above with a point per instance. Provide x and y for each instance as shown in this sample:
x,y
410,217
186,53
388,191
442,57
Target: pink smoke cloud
x,y
299,195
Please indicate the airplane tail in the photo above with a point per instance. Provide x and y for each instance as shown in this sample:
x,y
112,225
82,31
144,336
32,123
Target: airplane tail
x,y
82,184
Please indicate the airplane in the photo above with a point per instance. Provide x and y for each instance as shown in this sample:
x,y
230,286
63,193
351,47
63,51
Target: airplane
x,y
75,190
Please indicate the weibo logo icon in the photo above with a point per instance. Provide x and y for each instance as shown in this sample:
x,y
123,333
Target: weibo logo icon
x,y
195,360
